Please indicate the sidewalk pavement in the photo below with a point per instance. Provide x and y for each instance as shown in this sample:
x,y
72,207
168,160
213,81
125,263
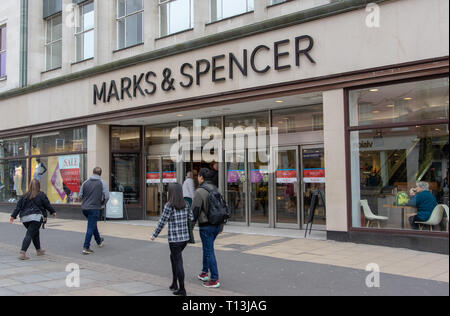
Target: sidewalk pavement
x,y
401,262
46,276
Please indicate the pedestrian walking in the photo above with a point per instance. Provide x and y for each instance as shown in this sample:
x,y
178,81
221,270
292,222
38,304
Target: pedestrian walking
x,y
177,213
94,195
208,231
189,188
32,209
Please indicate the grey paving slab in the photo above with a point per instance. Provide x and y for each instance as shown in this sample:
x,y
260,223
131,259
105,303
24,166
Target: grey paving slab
x,y
134,288
9,282
6,292
27,289
14,271
56,275
31,278
55,284
157,293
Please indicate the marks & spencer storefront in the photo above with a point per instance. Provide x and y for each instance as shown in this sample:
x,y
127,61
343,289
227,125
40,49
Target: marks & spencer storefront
x,y
280,114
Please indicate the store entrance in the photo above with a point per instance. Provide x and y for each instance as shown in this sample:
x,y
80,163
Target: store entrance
x,y
247,187
294,189
161,171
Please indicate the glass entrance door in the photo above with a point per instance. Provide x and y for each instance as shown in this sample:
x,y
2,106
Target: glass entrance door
x,y
247,187
313,181
287,188
161,171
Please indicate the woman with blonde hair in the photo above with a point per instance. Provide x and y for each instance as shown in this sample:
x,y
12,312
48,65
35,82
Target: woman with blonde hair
x,y
32,209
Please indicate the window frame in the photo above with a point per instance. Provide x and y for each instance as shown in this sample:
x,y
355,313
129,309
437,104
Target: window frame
x,y
4,49
49,23
191,17
228,17
350,128
81,33
124,18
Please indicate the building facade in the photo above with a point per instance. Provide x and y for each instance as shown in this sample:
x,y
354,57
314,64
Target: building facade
x,y
330,106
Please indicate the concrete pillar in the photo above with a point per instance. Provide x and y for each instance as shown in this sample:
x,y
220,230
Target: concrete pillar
x,y
98,150
335,166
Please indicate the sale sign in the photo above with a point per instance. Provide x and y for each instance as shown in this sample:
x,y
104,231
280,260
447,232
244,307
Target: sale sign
x,y
169,177
287,176
153,177
314,175
69,167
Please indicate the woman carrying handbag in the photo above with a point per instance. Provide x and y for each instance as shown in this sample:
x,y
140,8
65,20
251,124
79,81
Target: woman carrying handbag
x,y
32,209
177,212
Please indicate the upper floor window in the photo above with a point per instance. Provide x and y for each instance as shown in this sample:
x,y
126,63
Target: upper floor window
x,y
129,22
2,51
175,16
53,42
84,35
222,9
273,2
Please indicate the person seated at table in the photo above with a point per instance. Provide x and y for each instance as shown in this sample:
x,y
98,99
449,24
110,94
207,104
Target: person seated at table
x,y
424,201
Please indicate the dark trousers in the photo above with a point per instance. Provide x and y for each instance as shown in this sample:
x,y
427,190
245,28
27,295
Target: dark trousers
x,y
93,216
176,258
32,235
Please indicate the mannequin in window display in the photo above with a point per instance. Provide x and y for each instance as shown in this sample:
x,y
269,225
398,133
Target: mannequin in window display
x,y
18,178
39,170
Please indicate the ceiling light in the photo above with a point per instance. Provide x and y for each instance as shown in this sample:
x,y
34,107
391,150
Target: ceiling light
x,y
279,101
180,115
375,112
390,105
407,99
374,90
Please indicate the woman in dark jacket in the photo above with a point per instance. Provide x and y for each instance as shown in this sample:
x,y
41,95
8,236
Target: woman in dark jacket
x,y
32,209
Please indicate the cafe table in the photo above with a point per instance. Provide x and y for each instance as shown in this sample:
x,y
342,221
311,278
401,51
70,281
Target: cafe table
x,y
404,208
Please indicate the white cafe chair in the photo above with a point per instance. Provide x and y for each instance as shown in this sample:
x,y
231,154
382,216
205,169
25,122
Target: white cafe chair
x,y
435,218
370,217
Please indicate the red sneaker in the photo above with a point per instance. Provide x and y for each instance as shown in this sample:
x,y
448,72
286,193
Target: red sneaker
x,y
212,284
203,277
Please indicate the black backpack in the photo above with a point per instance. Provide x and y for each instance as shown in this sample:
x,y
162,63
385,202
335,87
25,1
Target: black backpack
x,y
218,209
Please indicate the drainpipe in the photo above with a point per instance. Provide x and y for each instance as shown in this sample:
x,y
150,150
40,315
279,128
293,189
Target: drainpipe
x,y
23,67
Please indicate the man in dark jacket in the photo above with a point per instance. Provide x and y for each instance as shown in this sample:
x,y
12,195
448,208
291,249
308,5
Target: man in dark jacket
x,y
208,232
94,195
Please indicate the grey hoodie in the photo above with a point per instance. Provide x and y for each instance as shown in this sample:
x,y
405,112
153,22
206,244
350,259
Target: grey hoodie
x,y
94,193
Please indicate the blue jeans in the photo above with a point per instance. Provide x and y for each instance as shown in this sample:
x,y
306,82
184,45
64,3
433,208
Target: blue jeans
x,y
208,235
93,217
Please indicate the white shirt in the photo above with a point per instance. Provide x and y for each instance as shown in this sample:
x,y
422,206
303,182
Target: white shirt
x,y
188,188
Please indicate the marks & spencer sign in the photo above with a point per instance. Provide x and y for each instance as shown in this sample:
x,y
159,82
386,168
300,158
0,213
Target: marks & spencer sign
x,y
218,68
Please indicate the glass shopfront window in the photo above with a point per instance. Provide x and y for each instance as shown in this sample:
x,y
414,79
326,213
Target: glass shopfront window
x,y
15,147
60,177
65,141
399,172
126,162
13,179
57,159
405,102
125,173
299,119
125,139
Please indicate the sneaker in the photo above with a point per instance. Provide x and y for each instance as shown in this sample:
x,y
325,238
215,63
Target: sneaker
x,y
23,256
203,277
102,243
87,251
212,284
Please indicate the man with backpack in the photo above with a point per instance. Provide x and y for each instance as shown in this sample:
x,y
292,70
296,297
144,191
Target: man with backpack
x,y
210,210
